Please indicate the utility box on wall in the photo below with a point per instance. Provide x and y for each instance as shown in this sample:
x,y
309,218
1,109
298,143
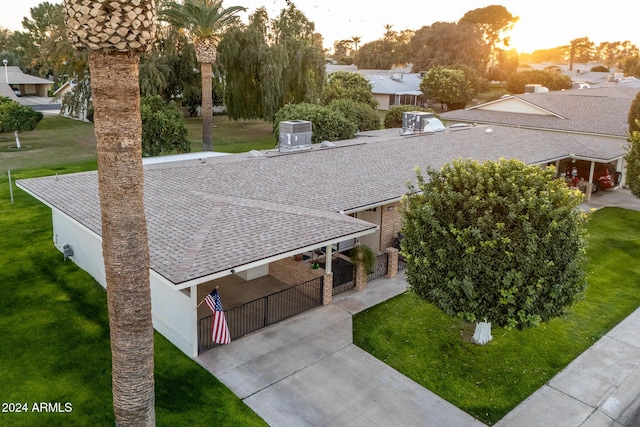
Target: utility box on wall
x,y
295,135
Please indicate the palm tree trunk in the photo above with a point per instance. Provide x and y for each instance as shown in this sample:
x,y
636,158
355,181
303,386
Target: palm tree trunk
x,y
207,107
124,234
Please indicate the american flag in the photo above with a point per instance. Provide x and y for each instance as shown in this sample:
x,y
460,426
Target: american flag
x,y
219,328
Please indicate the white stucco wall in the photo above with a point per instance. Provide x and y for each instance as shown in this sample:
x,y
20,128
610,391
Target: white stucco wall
x,y
174,313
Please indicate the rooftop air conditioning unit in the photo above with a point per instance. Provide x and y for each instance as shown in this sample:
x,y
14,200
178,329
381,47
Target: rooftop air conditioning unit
x,y
420,121
535,88
295,135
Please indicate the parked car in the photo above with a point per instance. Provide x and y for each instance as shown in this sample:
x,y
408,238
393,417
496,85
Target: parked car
x,y
17,91
604,174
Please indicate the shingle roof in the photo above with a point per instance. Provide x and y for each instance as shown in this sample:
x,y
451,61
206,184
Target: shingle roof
x,y
16,76
600,111
207,216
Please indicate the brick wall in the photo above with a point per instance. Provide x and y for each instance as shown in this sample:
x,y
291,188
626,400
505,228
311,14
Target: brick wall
x,y
390,224
293,272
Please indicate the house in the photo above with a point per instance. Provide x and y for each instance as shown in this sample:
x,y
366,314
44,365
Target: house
x,y
599,111
27,85
398,86
255,224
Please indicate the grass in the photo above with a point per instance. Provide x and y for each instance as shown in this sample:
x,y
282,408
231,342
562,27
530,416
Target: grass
x,y
417,339
59,141
53,321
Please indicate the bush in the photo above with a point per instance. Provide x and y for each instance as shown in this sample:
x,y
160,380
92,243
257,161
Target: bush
x,y
365,117
163,128
348,85
17,117
599,69
328,125
498,240
549,79
393,117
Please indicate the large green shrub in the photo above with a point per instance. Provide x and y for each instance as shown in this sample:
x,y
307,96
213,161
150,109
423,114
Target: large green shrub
x,y
363,115
327,125
163,128
500,241
348,85
549,79
393,117
17,117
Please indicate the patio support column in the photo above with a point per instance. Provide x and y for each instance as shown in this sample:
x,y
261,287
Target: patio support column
x,y
619,168
327,259
193,295
327,289
392,262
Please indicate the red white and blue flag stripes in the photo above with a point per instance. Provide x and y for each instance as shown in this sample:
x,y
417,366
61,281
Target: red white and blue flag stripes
x,y
219,328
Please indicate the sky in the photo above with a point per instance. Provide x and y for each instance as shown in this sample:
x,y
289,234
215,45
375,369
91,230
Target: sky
x,y
543,24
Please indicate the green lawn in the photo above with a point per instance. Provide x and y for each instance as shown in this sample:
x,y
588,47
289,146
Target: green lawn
x,y
53,316
488,381
59,141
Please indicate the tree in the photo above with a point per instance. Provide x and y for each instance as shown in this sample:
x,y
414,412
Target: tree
x,y
303,65
356,41
547,78
446,44
630,65
632,156
270,63
581,50
610,53
447,86
376,55
163,128
498,240
113,65
204,20
15,118
493,22
328,125
348,85
243,57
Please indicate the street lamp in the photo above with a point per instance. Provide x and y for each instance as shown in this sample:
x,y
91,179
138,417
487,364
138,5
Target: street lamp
x,y
6,74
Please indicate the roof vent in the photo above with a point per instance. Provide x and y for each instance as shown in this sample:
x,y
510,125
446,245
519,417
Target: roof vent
x,y
294,135
327,144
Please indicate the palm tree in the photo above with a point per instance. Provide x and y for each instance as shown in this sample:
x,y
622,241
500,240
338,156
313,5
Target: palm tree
x,y
115,33
204,20
356,41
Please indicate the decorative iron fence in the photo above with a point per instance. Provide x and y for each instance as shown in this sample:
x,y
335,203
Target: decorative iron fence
x,y
265,311
380,267
402,263
342,277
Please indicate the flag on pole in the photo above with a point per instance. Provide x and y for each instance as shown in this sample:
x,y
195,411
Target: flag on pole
x,y
219,328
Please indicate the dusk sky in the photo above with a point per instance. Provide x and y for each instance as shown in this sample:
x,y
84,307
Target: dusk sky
x,y
543,24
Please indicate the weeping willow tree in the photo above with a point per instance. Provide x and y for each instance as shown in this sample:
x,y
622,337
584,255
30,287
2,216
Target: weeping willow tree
x,y
270,63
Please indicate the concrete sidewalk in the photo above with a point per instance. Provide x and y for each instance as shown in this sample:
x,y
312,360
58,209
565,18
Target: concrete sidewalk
x,y
305,371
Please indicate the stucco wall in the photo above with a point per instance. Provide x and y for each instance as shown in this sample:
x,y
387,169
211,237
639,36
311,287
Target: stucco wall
x,y
174,315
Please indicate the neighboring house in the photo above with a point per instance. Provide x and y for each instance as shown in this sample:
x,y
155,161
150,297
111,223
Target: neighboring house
x,y
600,111
253,222
395,88
398,86
26,84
